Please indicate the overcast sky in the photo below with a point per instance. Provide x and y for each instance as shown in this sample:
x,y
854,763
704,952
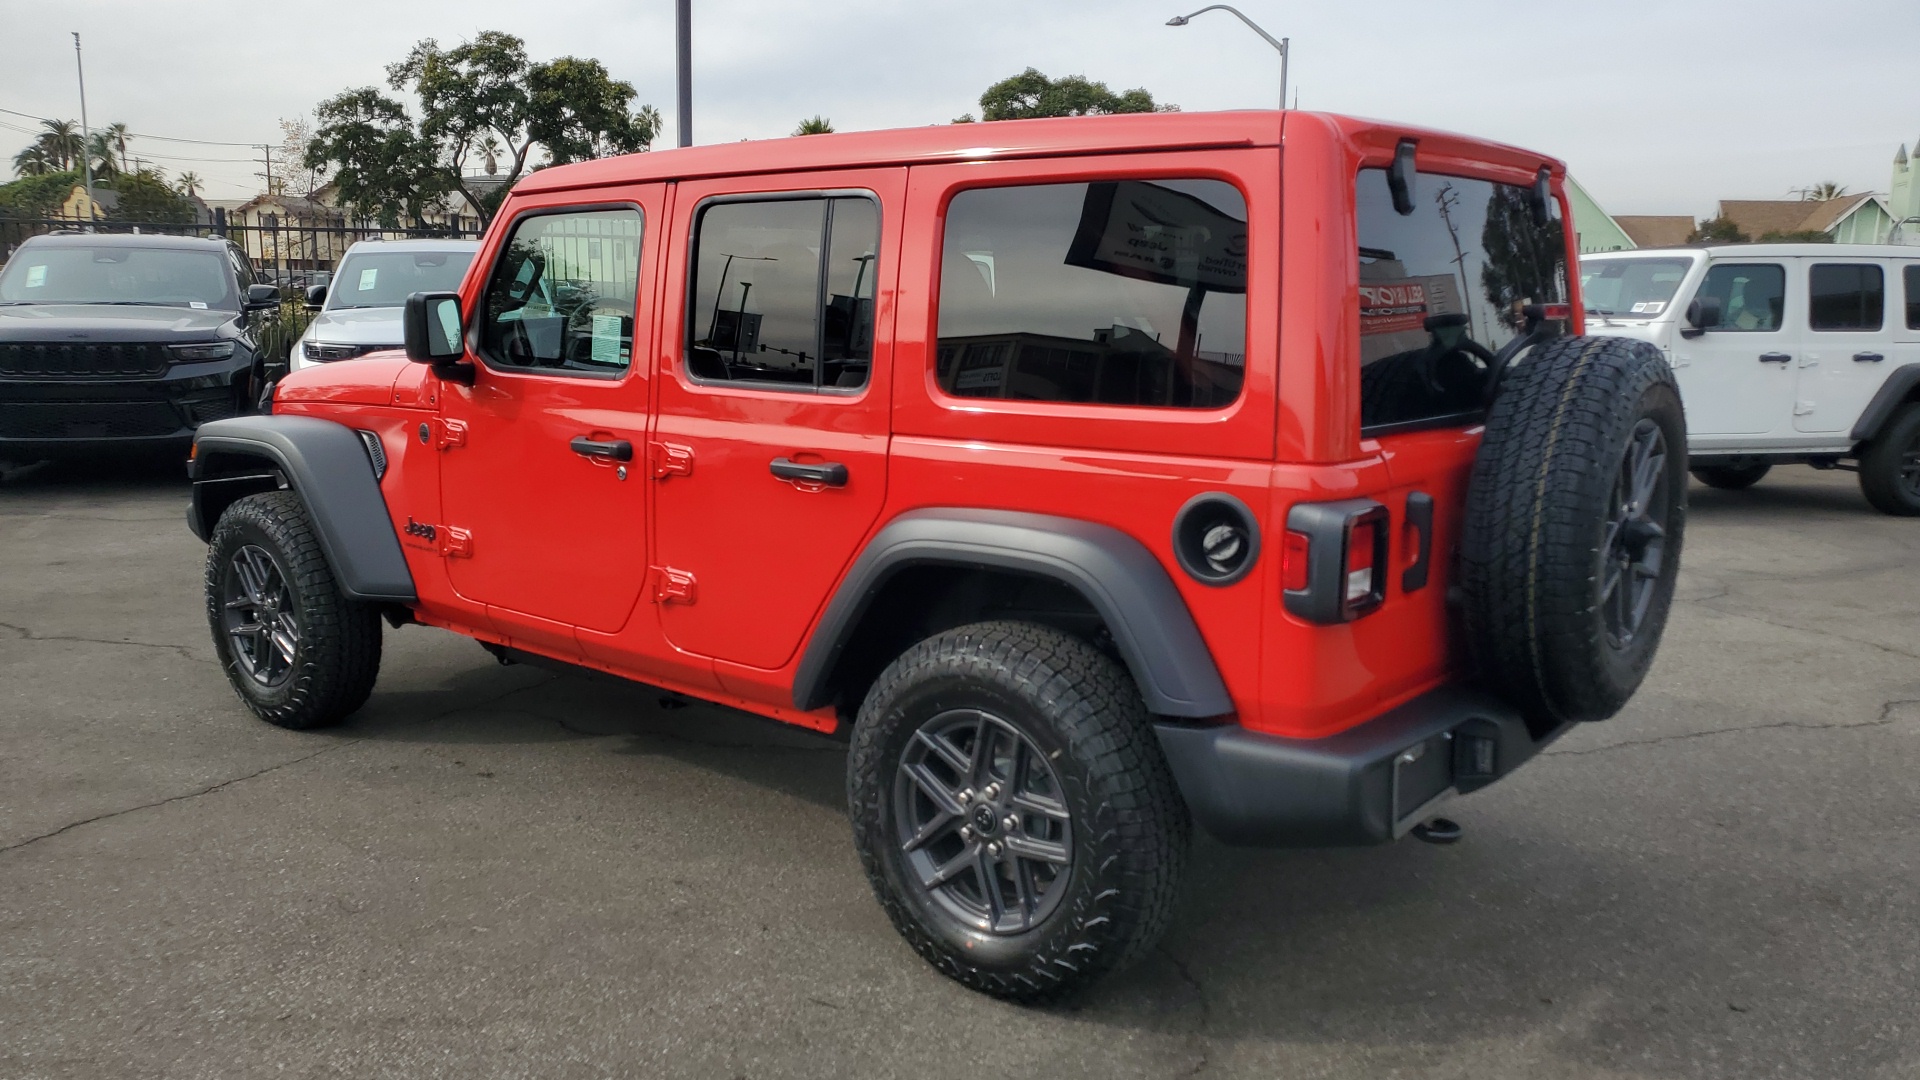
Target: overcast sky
x,y
1659,107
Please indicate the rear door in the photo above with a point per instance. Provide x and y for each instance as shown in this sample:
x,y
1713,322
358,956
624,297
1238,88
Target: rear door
x,y
770,444
1849,343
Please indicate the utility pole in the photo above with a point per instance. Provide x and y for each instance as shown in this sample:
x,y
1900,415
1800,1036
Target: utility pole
x,y
266,155
86,133
683,50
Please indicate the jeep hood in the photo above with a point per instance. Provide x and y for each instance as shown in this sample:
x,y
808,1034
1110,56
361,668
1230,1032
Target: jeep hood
x,y
357,326
382,378
111,322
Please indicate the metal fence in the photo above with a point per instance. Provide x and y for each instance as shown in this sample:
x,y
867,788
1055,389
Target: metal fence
x,y
290,255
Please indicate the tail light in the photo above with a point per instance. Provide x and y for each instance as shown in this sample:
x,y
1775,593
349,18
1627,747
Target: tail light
x,y
1334,562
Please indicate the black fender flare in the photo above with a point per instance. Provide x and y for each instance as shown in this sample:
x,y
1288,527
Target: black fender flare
x,y
326,464
1899,386
1117,575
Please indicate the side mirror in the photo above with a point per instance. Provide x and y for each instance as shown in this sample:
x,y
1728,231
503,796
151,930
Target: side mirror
x,y
316,297
431,322
1703,314
262,297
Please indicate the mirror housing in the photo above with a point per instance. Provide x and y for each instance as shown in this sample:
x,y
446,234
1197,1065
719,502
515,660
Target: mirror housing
x,y
316,297
431,323
1703,314
262,297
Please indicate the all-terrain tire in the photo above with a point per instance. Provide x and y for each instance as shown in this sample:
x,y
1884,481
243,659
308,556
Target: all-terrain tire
x,y
1732,477
335,650
1890,465
1547,527
1129,827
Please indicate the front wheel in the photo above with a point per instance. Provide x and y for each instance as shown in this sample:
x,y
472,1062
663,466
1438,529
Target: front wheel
x,y
1890,466
1013,810
297,651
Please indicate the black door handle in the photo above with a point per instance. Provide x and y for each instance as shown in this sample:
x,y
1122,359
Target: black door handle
x,y
1868,357
831,473
1774,358
607,450
1419,516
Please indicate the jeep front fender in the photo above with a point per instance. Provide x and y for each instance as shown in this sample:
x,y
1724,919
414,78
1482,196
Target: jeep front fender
x,y
326,464
1116,574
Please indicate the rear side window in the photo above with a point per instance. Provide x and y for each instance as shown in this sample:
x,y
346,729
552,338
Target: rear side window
x,y
1846,296
1753,296
1912,275
1116,292
560,300
1442,288
782,292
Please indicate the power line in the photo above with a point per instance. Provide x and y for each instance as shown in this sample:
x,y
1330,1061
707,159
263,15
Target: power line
x,y
139,134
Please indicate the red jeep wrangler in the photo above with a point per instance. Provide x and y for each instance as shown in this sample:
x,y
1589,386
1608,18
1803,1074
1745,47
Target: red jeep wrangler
x,y
1091,476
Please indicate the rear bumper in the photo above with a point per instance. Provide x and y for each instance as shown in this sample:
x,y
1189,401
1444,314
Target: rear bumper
x,y
1366,785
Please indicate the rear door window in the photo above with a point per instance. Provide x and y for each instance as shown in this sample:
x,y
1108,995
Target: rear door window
x,y
1443,288
1115,292
1846,296
1912,282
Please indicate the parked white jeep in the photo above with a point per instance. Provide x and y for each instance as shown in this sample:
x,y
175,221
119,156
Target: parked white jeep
x,y
1805,353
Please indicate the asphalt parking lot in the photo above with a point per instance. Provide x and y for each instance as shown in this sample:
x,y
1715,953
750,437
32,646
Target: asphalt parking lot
x,y
500,871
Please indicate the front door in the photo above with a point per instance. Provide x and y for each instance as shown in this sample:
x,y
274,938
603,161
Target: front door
x,y
1737,378
772,428
542,476
1848,346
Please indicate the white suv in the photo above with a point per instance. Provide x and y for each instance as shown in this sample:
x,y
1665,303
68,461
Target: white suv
x,y
358,311
1804,353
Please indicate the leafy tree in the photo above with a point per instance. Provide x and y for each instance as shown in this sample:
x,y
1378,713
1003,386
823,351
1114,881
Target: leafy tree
x,y
1718,230
38,196
482,97
819,125
1797,236
1031,94
1524,263
143,196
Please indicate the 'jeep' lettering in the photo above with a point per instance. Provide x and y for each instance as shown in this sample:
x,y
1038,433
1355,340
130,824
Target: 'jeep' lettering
x,y
415,528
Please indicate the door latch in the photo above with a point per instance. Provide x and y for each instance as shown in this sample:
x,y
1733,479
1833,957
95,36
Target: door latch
x,y
671,585
448,434
672,459
1802,408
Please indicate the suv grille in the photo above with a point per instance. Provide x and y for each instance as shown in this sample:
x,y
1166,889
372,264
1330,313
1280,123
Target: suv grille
x,y
82,360
87,419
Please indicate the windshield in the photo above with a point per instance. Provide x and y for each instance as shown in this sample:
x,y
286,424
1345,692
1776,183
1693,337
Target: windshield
x,y
1630,288
113,274
371,279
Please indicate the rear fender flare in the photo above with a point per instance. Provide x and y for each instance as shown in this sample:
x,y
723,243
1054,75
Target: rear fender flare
x,y
1900,386
326,464
1118,576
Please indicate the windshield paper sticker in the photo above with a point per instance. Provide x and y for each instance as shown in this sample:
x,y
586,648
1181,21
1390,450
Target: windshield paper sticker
x,y
606,339
36,276
1649,307
367,277
197,304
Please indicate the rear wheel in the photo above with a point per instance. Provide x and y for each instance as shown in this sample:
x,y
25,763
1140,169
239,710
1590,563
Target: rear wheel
x,y
1890,467
1732,477
1574,519
296,650
1013,810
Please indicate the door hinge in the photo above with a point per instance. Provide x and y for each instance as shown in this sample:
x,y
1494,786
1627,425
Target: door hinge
x,y
456,543
670,585
672,459
1802,408
1808,360
448,434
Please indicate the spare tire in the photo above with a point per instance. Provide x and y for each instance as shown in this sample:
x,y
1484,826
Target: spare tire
x,y
1575,514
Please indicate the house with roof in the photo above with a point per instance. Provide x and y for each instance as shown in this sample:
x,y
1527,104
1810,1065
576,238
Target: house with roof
x,y
1657,230
1593,228
82,204
1849,219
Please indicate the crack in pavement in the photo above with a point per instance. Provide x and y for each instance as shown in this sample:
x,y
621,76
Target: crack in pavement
x,y
1817,632
1199,1033
1885,718
230,781
26,634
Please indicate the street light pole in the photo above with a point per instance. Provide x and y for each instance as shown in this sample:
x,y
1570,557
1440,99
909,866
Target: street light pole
x,y
1279,45
683,56
86,133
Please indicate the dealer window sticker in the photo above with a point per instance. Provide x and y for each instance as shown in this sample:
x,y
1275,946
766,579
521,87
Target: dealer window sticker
x,y
36,276
367,278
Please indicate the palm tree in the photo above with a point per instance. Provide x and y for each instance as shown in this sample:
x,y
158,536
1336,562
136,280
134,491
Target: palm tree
x,y
100,154
117,135
1822,191
819,125
189,184
61,143
32,161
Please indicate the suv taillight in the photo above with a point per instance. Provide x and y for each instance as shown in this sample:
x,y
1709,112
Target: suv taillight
x,y
1334,566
